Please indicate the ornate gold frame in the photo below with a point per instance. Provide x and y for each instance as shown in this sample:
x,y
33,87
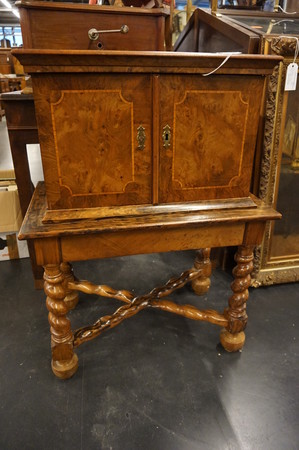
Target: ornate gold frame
x,y
271,270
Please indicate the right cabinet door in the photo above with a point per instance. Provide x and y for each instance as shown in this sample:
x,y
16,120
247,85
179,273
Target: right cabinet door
x,y
208,128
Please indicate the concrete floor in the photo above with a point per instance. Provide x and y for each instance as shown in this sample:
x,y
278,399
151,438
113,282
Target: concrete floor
x,y
156,382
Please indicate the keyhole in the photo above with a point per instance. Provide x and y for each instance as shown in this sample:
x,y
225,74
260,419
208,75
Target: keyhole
x,y
166,135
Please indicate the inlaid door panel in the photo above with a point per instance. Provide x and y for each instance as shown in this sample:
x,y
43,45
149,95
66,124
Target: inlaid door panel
x,y
91,153
211,126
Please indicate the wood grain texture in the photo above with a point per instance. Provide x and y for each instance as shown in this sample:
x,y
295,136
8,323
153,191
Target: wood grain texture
x,y
214,126
236,313
65,215
47,251
65,25
213,141
137,304
211,150
105,143
232,337
254,234
64,360
156,138
33,226
121,243
102,290
199,115
232,342
90,61
105,166
203,263
71,297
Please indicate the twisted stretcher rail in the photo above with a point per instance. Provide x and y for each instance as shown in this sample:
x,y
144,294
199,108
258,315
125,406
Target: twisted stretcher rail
x,y
134,305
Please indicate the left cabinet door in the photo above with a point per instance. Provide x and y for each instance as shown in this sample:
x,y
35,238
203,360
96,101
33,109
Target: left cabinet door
x,y
95,136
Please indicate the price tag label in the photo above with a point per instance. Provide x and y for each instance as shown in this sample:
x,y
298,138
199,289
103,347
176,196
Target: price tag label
x,y
291,77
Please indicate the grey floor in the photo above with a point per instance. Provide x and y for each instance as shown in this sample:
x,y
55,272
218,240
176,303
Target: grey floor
x,y
157,381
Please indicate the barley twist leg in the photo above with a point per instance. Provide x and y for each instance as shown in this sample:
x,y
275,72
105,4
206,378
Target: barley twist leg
x,y
64,360
233,337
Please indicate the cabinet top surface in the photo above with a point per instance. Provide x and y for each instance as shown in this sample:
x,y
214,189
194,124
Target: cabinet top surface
x,y
125,61
85,8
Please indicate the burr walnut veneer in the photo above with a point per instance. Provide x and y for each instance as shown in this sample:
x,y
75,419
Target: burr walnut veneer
x,y
143,153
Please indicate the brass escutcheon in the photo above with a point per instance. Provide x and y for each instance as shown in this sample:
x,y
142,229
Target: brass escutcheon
x,y
141,137
166,136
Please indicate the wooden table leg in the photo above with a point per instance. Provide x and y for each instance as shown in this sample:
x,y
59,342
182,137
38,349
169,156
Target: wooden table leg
x,y
201,285
64,360
233,338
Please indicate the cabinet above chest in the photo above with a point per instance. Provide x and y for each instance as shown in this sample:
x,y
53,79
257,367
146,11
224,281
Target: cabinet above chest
x,y
150,128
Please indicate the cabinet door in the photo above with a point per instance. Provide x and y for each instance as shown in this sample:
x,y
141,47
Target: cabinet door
x,y
89,124
209,126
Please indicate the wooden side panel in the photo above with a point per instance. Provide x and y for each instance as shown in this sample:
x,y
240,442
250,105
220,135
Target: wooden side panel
x,y
88,136
213,123
26,27
207,33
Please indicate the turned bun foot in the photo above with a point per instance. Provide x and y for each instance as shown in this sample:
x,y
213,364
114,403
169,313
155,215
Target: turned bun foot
x,y
200,286
71,300
232,342
202,262
65,369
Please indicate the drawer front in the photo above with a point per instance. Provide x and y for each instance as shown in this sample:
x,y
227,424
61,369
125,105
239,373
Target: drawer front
x,y
95,139
210,127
